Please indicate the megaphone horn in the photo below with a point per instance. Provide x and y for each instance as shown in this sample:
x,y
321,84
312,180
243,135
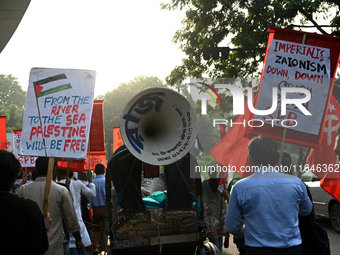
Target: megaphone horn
x,y
158,126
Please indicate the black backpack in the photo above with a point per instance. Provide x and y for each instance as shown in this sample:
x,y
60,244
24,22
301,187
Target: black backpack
x,y
85,203
314,237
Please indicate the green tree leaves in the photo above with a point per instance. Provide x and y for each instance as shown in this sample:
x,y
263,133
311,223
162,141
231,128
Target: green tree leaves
x,y
242,25
12,101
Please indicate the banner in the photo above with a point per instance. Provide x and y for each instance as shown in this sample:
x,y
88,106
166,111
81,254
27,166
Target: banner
x,y
58,113
95,159
74,165
305,67
297,60
117,140
97,136
25,161
10,141
3,140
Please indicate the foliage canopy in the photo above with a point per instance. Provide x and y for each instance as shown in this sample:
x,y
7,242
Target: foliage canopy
x,y
244,26
12,101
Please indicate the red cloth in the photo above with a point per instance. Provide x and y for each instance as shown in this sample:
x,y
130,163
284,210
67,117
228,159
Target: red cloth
x,y
232,148
3,140
317,159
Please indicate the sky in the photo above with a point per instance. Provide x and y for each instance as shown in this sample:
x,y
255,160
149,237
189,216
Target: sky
x,y
117,39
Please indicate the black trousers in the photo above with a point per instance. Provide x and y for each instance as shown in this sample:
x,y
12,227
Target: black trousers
x,y
295,250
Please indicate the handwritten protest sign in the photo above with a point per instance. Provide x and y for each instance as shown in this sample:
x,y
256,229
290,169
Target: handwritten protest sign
x,y
10,141
25,161
58,113
295,65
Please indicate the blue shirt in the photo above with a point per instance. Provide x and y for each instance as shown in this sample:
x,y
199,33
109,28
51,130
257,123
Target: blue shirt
x,y
270,203
99,200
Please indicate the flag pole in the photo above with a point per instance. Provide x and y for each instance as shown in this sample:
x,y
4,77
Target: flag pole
x,y
285,129
48,185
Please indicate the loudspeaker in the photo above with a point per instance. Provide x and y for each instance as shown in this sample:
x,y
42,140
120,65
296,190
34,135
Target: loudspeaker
x,y
158,126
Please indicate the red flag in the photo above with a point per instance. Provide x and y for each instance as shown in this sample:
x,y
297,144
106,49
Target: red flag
x,y
317,159
3,140
232,149
117,139
223,130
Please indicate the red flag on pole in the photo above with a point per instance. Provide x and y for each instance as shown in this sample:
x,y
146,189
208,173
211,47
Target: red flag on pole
x,y
3,140
317,159
232,150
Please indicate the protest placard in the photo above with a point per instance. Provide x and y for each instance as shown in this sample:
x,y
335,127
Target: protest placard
x,y
25,161
296,60
10,141
295,65
58,113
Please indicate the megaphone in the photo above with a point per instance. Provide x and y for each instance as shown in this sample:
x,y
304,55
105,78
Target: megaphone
x,y
158,126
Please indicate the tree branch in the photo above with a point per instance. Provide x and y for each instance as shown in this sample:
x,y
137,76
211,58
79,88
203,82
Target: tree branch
x,y
310,18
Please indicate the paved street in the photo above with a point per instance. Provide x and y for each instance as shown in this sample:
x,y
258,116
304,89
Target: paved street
x,y
334,239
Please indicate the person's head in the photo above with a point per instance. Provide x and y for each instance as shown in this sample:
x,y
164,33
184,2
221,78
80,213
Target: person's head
x,y
62,174
9,170
286,159
41,165
262,151
286,162
300,150
99,169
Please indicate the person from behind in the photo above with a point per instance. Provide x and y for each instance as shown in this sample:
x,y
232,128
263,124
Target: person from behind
x,y
99,210
264,208
60,207
23,230
77,188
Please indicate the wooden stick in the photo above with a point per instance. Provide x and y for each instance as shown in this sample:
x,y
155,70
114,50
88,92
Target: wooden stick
x,y
282,144
89,154
285,129
48,185
68,166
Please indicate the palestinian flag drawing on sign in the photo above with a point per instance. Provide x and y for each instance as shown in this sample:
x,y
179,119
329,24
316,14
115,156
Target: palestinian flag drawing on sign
x,y
51,85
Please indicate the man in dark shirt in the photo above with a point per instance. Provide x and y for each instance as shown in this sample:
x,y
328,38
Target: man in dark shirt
x,y
23,230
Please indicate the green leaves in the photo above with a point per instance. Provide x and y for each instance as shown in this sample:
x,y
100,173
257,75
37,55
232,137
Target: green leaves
x,y
242,25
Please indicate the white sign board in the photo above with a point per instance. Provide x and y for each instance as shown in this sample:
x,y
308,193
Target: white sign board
x,y
25,161
58,113
10,141
296,65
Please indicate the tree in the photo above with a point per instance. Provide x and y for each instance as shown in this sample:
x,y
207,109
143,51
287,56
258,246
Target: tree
x,y
115,101
11,92
244,24
12,102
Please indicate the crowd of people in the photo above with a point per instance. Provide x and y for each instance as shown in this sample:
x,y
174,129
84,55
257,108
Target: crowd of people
x,y
262,212
62,231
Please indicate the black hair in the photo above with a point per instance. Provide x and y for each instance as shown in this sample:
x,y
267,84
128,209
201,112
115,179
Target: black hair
x,y
286,159
99,169
263,151
9,170
41,165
